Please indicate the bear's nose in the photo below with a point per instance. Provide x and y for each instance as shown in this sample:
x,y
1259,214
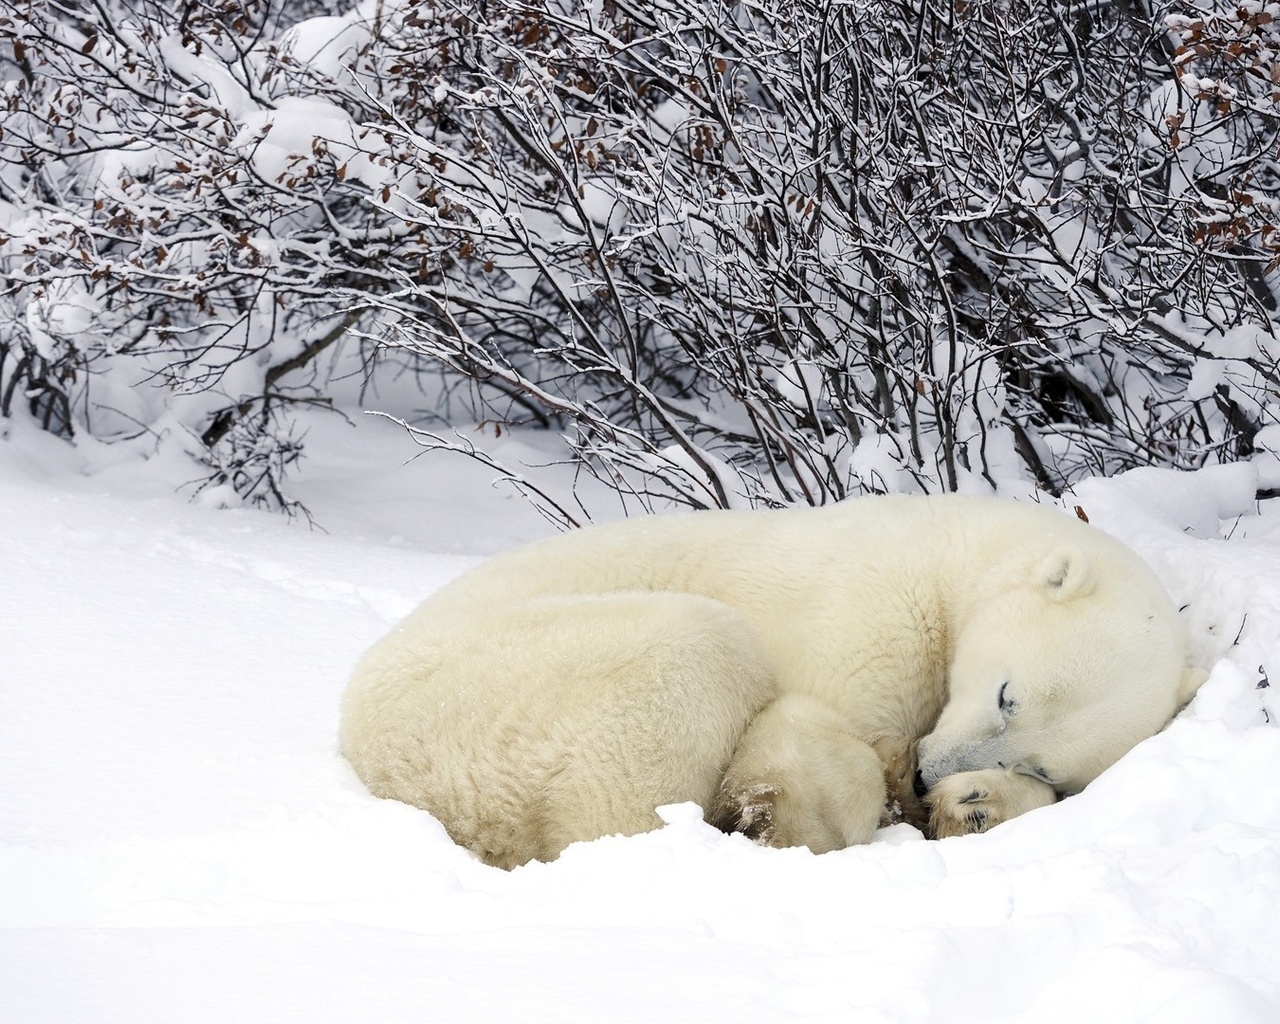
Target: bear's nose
x,y
918,786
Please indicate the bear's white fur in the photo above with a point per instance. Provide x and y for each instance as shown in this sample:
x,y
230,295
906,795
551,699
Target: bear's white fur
x,y
777,667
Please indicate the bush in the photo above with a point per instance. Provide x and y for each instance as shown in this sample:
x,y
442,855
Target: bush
x,y
737,253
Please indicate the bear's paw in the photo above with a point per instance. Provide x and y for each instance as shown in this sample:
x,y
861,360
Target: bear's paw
x,y
970,802
749,810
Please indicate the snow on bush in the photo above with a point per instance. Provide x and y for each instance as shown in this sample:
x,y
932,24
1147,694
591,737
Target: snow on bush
x,y
741,254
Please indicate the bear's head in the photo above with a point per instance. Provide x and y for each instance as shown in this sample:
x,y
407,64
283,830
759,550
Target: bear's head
x,y
1060,667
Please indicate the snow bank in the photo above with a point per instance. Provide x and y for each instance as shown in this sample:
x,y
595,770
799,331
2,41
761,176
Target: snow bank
x,y
179,839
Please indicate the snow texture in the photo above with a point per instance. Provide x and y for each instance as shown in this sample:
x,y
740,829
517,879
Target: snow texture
x,y
180,840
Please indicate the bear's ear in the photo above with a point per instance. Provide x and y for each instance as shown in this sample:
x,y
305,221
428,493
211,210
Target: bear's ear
x,y
1065,574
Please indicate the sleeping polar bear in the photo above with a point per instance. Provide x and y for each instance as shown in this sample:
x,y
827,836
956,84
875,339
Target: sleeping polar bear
x,y
803,674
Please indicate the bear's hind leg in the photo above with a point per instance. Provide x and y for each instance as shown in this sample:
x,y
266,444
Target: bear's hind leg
x,y
799,778
525,726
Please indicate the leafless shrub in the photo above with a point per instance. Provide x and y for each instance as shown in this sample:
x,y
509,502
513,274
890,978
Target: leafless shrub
x,y
742,253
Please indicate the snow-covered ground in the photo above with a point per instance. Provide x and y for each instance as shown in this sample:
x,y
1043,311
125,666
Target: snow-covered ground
x,y
180,841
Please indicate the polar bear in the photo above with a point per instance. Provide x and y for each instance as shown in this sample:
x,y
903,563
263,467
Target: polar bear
x,y
805,675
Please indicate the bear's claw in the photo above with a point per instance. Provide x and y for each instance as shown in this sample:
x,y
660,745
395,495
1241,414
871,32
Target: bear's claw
x,y
748,811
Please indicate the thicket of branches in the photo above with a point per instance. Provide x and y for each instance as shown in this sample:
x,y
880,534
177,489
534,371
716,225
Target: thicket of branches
x,y
739,253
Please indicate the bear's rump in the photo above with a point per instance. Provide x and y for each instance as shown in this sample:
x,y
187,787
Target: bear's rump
x,y
529,725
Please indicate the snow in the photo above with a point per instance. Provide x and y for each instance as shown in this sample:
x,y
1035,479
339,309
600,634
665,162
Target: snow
x,y
329,44
179,839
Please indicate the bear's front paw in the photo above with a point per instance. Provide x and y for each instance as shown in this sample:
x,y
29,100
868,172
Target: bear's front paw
x,y
969,802
749,811
959,807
